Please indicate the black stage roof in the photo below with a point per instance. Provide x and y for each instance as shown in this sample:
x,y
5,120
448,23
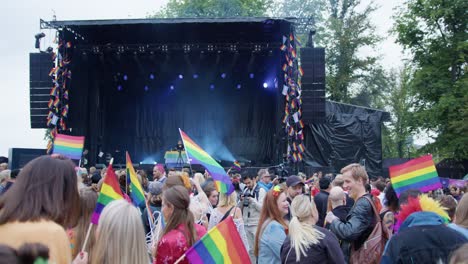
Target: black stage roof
x,y
178,30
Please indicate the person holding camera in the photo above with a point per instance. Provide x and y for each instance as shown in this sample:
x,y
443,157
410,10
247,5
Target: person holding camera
x,y
252,200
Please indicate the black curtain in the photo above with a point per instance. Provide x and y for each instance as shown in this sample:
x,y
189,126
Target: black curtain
x,y
350,134
120,107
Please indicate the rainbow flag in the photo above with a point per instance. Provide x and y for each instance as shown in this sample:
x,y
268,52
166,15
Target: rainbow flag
x,y
136,191
196,155
222,244
236,165
419,173
69,146
110,191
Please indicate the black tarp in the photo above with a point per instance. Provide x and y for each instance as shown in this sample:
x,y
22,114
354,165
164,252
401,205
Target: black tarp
x,y
350,134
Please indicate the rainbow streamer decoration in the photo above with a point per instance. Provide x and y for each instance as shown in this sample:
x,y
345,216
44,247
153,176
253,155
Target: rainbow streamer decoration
x,y
196,155
301,148
110,191
419,173
69,146
222,244
136,191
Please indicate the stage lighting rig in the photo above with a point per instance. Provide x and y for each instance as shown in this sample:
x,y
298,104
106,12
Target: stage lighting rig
x,y
38,37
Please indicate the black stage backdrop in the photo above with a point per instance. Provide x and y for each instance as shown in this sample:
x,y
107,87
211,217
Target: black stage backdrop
x,y
351,134
226,121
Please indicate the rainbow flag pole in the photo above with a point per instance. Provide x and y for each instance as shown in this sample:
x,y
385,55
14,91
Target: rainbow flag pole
x,y
196,155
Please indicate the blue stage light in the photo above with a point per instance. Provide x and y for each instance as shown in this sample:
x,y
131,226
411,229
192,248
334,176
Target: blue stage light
x,y
146,88
172,87
125,77
212,86
151,76
265,85
119,88
195,76
238,86
223,75
181,76
251,75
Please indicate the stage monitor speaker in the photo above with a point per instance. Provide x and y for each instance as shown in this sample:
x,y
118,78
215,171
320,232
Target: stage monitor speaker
x,y
18,157
313,85
40,84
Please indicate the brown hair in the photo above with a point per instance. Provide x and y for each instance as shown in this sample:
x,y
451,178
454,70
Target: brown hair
x,y
88,199
46,188
27,253
461,214
271,211
177,180
179,198
357,172
450,204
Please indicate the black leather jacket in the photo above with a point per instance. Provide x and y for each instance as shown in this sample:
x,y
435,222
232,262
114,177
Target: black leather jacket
x,y
358,225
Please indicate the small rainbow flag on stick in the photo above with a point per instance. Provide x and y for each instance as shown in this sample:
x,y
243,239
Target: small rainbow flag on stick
x,y
110,191
196,155
419,173
236,165
69,146
222,244
136,192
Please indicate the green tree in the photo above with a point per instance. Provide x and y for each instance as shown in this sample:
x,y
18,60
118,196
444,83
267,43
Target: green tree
x,y
343,28
214,8
435,33
399,101
348,29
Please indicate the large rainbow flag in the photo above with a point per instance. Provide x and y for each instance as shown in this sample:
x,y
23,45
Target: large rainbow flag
x,y
69,146
136,192
110,191
419,173
222,244
196,155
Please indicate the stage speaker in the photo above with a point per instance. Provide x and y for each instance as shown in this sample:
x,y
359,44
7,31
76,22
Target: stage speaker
x,y
313,85
18,157
40,84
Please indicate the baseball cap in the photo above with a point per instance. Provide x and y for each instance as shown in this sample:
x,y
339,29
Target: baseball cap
x,y
294,180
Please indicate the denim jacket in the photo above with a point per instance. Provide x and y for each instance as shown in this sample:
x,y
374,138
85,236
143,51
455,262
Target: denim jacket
x,y
270,243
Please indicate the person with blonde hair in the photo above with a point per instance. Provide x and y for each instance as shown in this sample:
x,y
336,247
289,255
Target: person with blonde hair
x,y
88,200
271,231
227,206
460,221
361,219
306,242
120,237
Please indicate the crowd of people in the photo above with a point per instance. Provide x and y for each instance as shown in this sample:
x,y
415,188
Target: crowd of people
x,y
46,209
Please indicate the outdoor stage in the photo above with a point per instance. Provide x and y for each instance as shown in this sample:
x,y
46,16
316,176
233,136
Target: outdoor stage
x,y
136,82
235,86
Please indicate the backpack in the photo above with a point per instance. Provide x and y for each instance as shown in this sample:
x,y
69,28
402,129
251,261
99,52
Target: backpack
x,y
372,249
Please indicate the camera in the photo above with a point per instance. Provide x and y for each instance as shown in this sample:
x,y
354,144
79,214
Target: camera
x,y
245,201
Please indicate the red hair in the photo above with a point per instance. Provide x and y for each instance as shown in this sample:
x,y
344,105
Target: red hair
x,y
270,211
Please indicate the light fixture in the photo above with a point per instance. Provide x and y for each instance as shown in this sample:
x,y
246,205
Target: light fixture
x,y
38,37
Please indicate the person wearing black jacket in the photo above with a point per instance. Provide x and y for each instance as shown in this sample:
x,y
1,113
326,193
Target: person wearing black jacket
x,y
321,199
361,219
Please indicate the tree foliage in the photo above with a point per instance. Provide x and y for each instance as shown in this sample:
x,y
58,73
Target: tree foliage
x,y
399,101
214,8
348,29
435,33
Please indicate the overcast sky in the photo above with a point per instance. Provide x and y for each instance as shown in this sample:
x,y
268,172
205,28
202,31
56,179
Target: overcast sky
x,y
20,20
